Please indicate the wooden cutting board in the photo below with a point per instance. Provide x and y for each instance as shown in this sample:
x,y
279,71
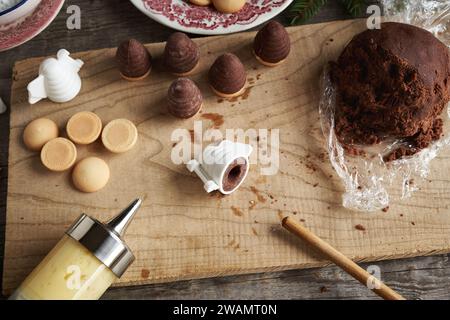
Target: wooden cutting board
x,y
182,232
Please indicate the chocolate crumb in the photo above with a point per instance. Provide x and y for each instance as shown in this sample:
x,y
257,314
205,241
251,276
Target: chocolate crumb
x,y
280,214
258,194
237,212
323,289
217,119
145,273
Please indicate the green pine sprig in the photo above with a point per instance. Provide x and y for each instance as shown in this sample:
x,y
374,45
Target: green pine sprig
x,y
354,7
304,10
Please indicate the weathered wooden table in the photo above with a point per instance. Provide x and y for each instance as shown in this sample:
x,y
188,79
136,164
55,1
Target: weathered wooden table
x,y
103,25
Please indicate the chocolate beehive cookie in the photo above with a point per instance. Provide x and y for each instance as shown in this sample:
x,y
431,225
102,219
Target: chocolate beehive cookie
x,y
227,76
272,44
181,54
134,60
184,98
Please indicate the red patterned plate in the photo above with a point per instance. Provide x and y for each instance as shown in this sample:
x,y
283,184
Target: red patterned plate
x,y
184,16
14,35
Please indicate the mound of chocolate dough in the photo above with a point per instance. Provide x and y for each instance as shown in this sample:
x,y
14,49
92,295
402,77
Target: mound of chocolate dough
x,y
392,83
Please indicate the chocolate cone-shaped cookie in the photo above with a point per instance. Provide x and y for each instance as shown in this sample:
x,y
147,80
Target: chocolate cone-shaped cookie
x,y
272,44
227,76
181,54
184,98
134,60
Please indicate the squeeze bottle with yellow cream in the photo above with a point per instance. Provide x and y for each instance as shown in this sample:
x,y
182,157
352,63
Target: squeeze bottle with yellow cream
x,y
84,263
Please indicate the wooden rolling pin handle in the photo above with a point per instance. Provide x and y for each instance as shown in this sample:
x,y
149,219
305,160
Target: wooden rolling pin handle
x,y
339,259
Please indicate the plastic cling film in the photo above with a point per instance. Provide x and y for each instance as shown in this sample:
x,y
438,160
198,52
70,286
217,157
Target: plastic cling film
x,y
431,15
369,181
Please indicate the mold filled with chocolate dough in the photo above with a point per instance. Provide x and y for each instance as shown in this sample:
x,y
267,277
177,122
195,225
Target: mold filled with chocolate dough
x,y
234,174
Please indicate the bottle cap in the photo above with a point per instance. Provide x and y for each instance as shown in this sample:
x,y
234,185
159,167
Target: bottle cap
x,y
104,241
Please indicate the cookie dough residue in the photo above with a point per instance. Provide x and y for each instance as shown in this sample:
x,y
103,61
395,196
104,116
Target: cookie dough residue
x,y
145,273
217,119
237,212
258,194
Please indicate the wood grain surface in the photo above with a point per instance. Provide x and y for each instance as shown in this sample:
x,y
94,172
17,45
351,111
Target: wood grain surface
x,y
104,26
185,233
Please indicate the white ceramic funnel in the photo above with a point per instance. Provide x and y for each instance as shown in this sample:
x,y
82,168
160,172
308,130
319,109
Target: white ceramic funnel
x,y
58,79
216,164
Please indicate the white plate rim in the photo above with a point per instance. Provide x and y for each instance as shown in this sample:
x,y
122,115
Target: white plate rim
x,y
38,31
232,29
